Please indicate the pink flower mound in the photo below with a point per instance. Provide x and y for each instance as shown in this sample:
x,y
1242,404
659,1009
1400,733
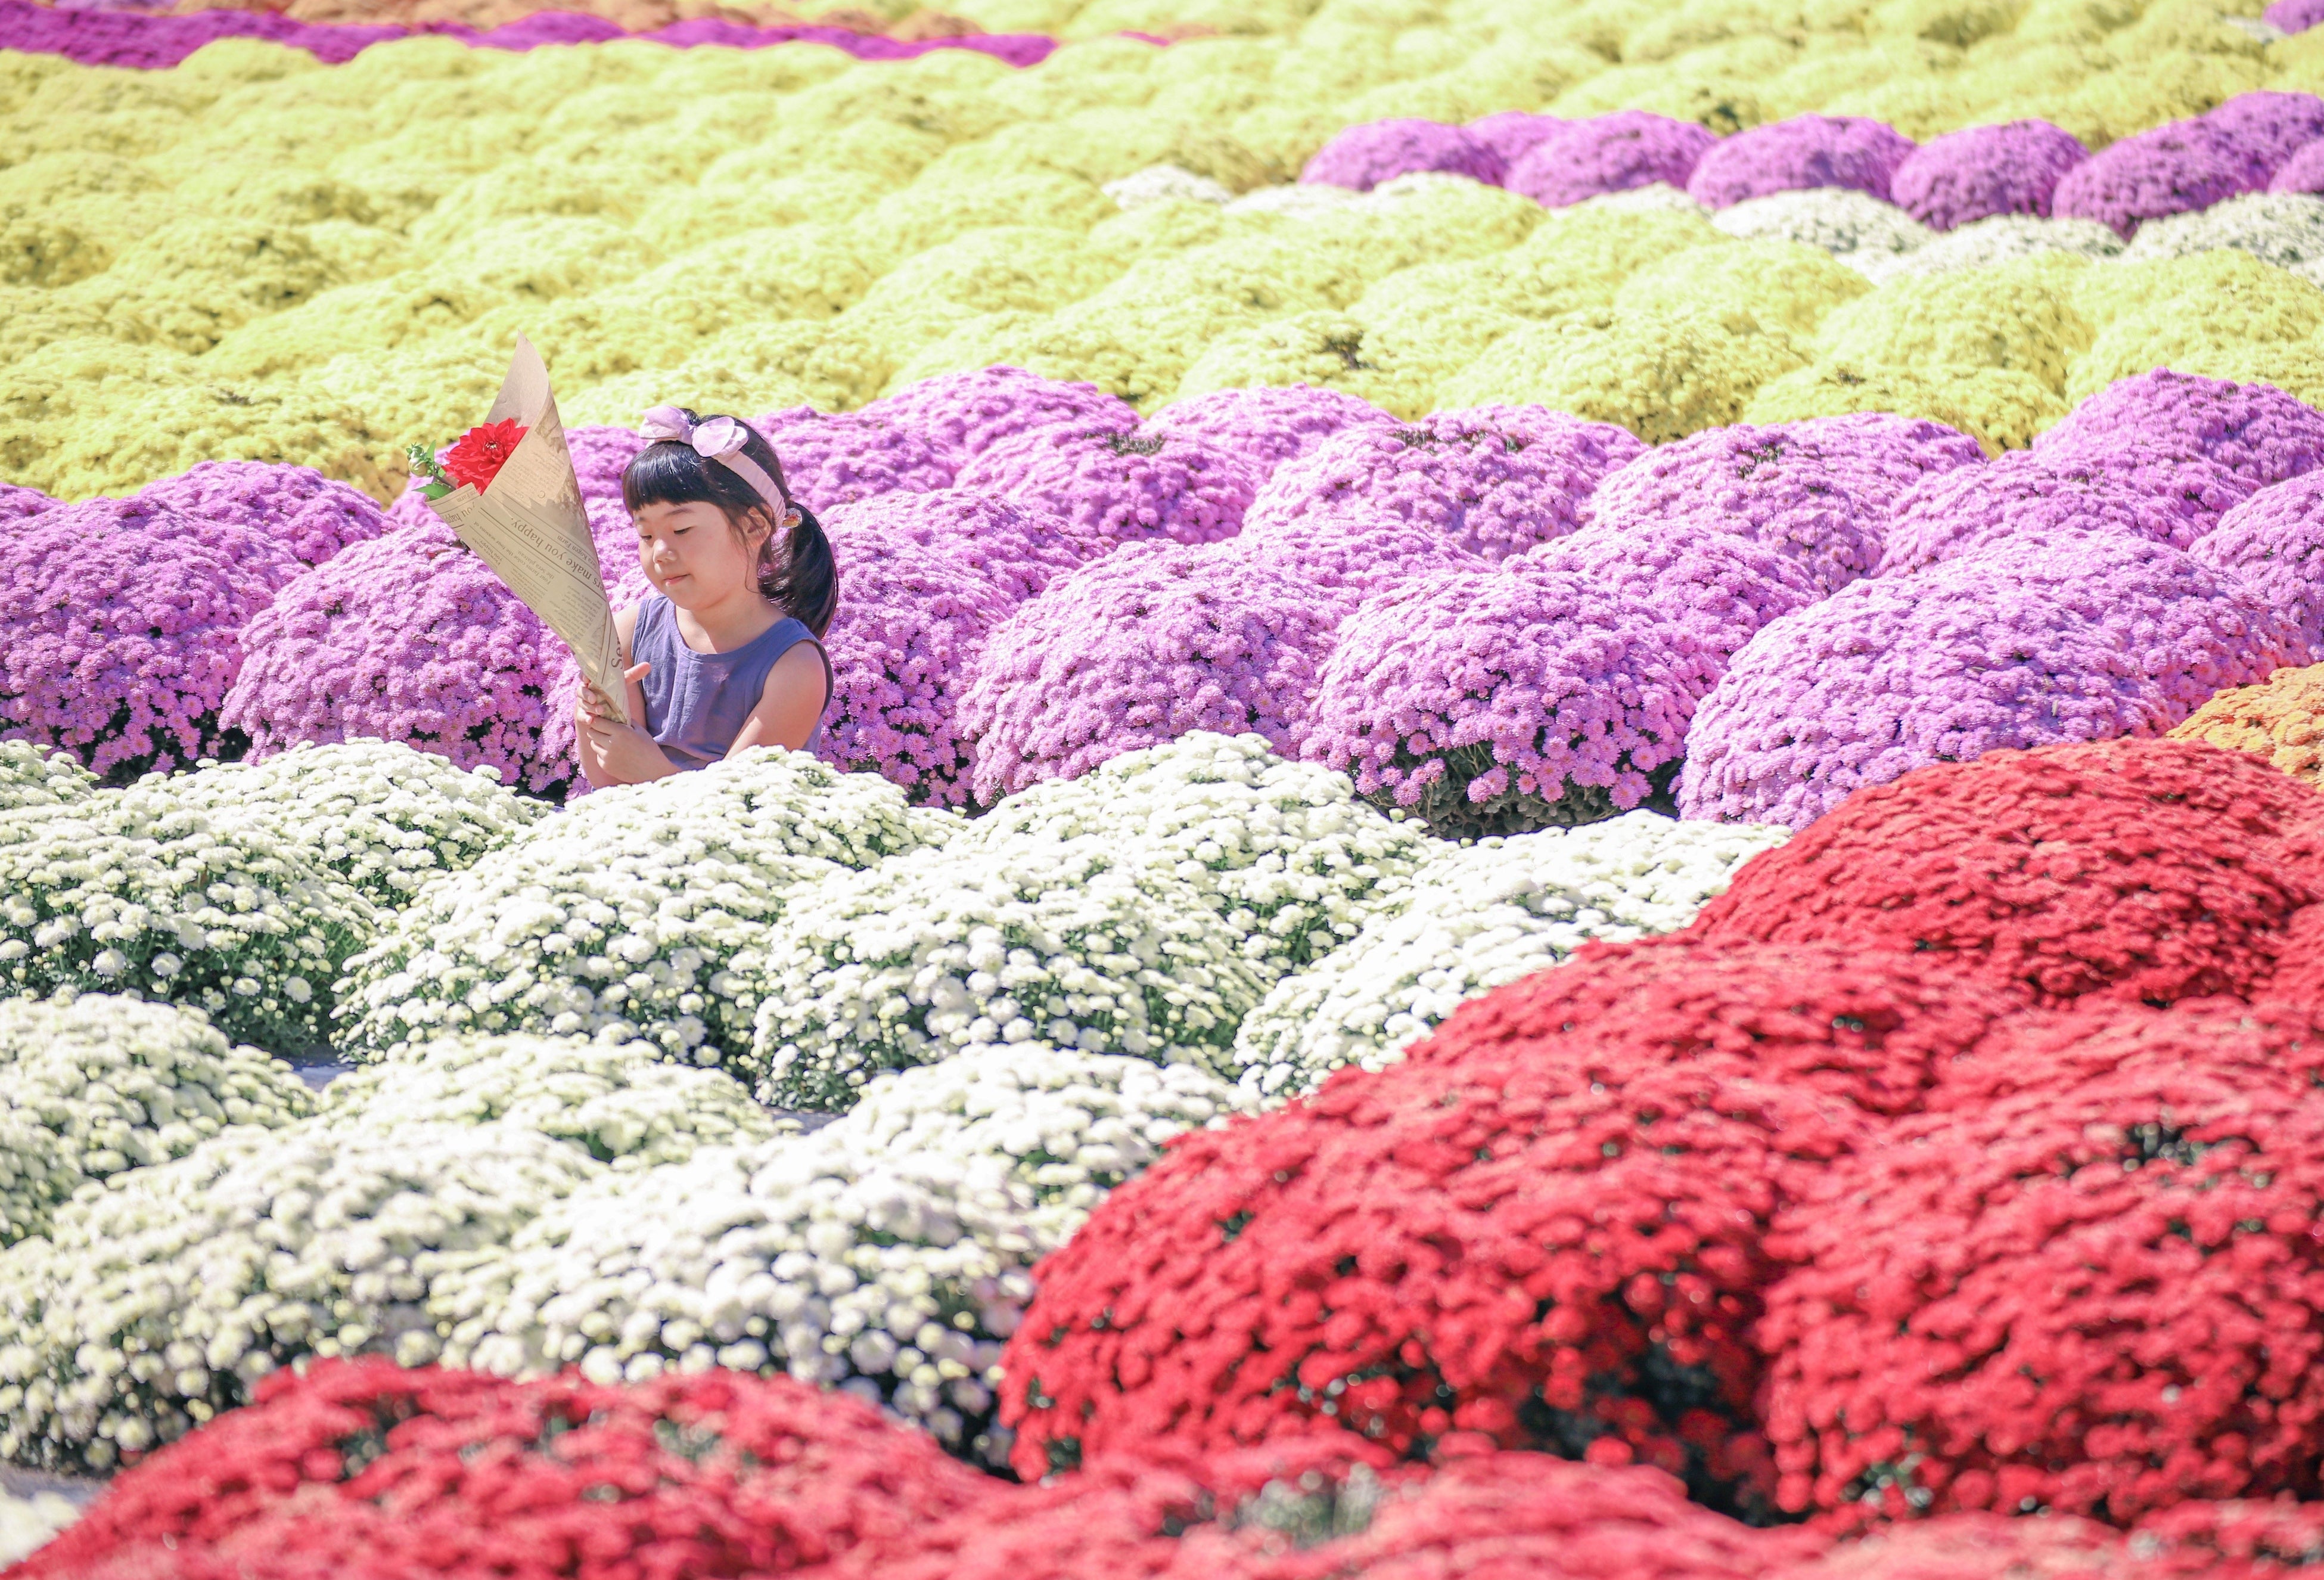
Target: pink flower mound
x,y
2255,429
2184,165
1364,156
2274,542
18,503
2294,15
1807,150
2270,127
2062,637
1817,491
1985,171
1267,426
1019,551
847,456
967,413
1139,648
1609,153
906,641
1346,557
295,506
411,638
1493,480
121,618
2021,493
2099,1297
600,456
1113,486
1513,133
1492,700
1979,1546
1716,586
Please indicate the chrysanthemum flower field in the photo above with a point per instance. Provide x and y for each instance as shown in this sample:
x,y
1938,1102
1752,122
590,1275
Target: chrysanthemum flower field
x,y
1572,823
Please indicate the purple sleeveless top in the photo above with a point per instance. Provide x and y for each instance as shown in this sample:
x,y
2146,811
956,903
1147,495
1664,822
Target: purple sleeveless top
x,y
697,703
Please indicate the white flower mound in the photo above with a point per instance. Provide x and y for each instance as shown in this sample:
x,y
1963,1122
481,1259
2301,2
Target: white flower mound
x,y
1983,243
1284,851
1653,198
34,776
29,1524
1158,183
1477,916
385,817
1855,227
889,1253
99,1083
2283,229
1006,939
134,891
635,914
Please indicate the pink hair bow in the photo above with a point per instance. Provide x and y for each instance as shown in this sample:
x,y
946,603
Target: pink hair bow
x,y
719,439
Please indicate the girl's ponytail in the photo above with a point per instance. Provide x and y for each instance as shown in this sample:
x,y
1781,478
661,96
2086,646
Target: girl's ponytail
x,y
798,572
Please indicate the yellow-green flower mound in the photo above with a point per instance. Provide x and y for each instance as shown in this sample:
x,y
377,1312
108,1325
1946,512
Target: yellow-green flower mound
x,y
2282,721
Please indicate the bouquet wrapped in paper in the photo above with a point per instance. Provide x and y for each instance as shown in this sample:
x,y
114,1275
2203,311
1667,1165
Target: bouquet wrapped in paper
x,y
507,488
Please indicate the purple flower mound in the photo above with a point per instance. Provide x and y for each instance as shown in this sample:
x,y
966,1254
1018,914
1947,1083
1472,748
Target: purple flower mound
x,y
1817,491
2255,429
967,413
1267,426
1364,156
600,457
2064,636
848,456
2021,493
1717,587
1807,150
2184,165
2274,541
1492,480
2303,171
1113,486
410,638
1346,557
295,506
1609,153
2270,127
122,617
906,638
18,503
2294,15
1497,699
1984,171
1138,649
1513,133
1020,551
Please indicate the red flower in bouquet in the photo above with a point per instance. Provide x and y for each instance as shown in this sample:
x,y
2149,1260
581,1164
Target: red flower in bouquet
x,y
482,451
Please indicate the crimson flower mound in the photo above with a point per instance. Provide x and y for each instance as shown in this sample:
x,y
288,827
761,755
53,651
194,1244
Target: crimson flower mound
x,y
2142,869
2101,1296
363,1469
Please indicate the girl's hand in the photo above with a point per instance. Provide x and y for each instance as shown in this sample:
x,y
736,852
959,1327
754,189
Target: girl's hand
x,y
613,752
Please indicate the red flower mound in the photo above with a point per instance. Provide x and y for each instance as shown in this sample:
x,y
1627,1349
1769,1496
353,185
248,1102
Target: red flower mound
x,y
2293,998
482,451
2043,1050
1491,1247
2101,1296
2142,869
1979,1546
365,1469
1310,1509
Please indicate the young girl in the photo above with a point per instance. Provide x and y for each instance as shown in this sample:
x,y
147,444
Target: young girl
x,y
726,653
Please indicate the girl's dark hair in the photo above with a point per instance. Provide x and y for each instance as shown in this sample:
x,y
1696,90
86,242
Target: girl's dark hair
x,y
799,575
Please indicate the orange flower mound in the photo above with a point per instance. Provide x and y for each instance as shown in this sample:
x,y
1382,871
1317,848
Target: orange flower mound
x,y
2280,720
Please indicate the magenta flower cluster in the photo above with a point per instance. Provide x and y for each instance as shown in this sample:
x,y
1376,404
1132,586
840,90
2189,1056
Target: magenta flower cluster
x,y
1266,426
2274,541
1807,150
1984,171
1120,485
1365,155
2254,429
1609,153
2021,493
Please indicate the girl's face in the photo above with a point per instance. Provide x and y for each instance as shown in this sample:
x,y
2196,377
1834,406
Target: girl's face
x,y
693,555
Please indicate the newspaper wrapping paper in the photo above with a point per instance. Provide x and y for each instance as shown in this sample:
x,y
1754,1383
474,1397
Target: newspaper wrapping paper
x,y
529,527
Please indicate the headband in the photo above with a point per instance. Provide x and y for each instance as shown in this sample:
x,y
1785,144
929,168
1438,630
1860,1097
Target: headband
x,y
719,439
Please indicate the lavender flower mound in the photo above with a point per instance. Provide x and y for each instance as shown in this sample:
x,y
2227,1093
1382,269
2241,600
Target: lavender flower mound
x,y
1346,557
968,413
843,457
121,618
1619,152
296,506
2255,429
1491,480
1019,551
2021,493
1513,133
1816,491
1154,640
1112,486
600,456
2062,637
2274,541
2294,15
2186,164
907,637
1807,151
1266,425
18,503
1974,174
1717,587
410,638
2270,127
1364,156
1497,699
2303,171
